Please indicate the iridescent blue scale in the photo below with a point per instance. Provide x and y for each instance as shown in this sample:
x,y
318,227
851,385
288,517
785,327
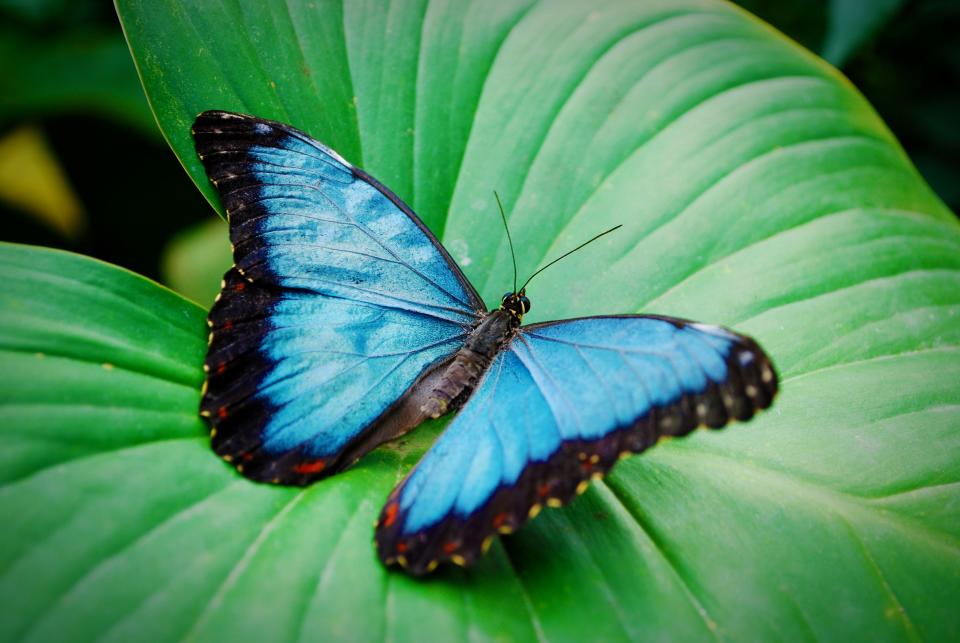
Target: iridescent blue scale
x,y
344,320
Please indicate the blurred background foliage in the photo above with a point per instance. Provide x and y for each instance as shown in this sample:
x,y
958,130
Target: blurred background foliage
x,y
83,165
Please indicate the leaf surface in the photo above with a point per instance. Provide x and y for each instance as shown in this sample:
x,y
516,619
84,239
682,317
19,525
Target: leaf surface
x,y
757,189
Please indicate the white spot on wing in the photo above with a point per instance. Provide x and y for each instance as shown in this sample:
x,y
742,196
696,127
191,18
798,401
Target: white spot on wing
x,y
713,330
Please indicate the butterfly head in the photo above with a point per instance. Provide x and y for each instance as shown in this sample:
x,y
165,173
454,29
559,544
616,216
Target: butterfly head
x,y
516,303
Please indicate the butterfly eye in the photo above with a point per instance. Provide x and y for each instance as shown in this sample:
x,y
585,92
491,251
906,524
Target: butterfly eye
x,y
525,305
506,296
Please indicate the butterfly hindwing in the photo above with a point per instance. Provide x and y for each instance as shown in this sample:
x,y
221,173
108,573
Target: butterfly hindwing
x,y
339,300
560,405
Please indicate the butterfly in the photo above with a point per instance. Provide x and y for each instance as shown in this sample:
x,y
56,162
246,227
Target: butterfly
x,y
344,323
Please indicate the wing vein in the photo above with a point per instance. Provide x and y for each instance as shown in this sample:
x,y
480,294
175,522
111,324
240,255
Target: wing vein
x,y
366,231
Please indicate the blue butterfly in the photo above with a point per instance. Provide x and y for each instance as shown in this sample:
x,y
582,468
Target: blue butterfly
x,y
344,323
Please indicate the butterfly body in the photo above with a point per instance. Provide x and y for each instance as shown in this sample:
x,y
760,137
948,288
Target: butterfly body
x,y
489,337
471,362
344,323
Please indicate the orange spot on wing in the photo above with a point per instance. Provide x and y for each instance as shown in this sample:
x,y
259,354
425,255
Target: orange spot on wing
x,y
222,412
314,466
239,286
401,547
227,325
544,489
450,547
499,519
391,514
221,367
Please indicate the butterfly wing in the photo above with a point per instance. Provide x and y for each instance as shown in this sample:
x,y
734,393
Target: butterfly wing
x,y
339,300
557,407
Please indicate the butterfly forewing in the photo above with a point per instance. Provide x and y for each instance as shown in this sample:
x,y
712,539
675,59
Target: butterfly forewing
x,y
338,301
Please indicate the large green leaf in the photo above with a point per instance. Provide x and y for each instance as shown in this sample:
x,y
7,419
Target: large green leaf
x,y
756,189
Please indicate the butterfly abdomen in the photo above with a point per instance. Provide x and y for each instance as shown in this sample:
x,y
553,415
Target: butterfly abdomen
x,y
469,364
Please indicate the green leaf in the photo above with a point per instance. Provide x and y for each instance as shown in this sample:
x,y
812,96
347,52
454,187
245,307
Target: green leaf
x,y
83,70
195,261
756,189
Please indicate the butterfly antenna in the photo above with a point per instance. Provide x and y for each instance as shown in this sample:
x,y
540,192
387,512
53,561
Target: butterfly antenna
x,y
567,254
509,240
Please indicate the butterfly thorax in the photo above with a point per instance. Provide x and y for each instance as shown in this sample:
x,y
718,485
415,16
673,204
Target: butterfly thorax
x,y
515,303
463,372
